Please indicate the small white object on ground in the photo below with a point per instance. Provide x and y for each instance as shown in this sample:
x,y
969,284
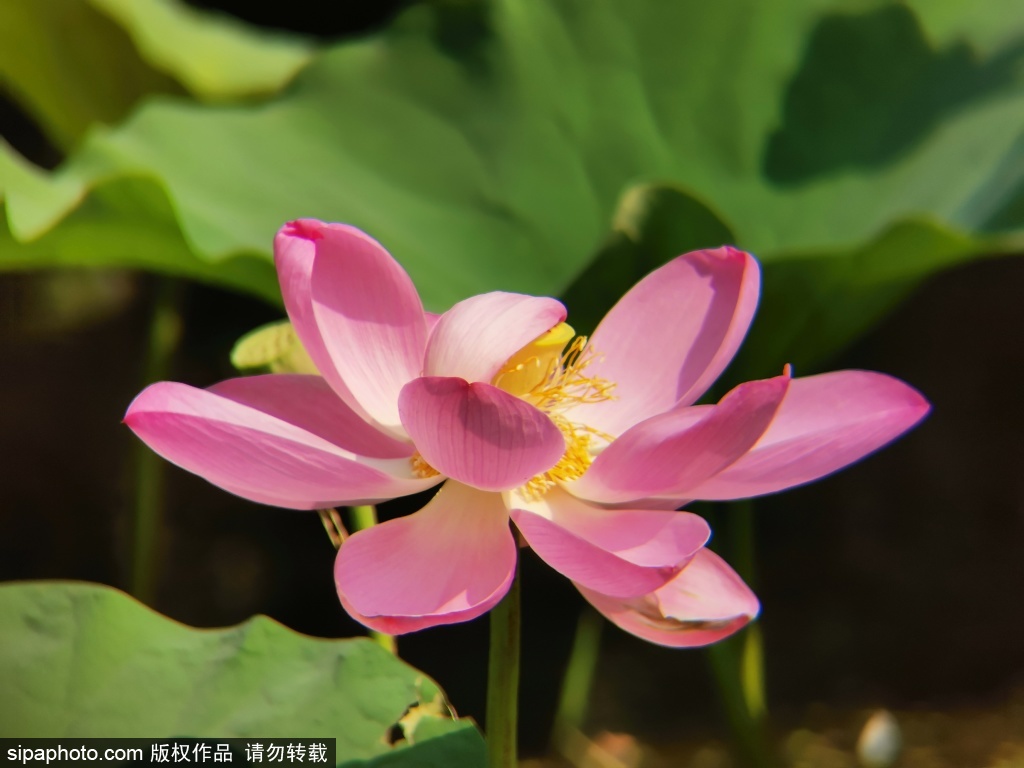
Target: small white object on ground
x,y
880,740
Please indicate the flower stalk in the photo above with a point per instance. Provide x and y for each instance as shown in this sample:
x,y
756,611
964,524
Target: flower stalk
x,y
574,701
738,662
360,518
164,336
503,680
335,529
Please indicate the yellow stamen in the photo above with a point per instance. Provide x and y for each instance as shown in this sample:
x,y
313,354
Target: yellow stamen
x,y
532,364
420,468
566,384
574,462
553,377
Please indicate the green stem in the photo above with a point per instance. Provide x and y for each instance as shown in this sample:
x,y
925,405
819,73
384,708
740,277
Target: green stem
x,y
577,683
358,519
362,517
738,663
162,343
503,681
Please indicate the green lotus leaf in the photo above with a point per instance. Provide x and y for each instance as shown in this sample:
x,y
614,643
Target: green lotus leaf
x,y
813,305
487,144
72,63
215,57
83,660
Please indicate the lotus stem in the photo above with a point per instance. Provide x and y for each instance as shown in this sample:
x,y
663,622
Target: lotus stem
x,y
574,700
359,518
503,680
738,662
163,339
362,517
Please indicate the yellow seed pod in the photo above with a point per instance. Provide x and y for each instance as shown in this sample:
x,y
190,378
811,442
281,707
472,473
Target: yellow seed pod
x,y
535,362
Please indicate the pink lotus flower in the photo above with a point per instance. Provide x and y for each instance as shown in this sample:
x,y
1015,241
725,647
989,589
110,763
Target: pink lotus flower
x,y
587,446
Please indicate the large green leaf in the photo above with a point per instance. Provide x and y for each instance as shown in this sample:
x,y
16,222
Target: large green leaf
x,y
214,57
812,304
85,660
815,304
486,144
653,224
75,62
70,66
127,222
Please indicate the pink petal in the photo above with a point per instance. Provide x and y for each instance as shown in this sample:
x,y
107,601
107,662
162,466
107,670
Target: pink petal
x,y
473,339
705,603
478,434
356,312
264,456
368,315
310,403
294,252
825,423
431,319
451,561
671,335
669,454
625,553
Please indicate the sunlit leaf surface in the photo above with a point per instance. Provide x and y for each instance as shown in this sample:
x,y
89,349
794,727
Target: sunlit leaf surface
x,y
488,144
71,63
812,304
85,660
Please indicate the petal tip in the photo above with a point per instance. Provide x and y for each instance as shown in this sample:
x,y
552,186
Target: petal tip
x,y
307,229
915,404
146,399
730,252
705,603
724,254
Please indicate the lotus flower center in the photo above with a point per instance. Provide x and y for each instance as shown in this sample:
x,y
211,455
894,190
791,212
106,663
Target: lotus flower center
x,y
550,373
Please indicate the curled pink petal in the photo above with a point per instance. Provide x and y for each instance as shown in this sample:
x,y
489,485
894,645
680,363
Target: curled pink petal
x,y
369,317
825,423
623,553
260,455
706,602
669,454
310,403
475,337
477,433
452,561
294,252
671,335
